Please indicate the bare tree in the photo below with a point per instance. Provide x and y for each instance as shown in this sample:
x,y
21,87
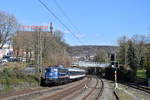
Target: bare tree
x,y
8,26
101,56
51,47
122,53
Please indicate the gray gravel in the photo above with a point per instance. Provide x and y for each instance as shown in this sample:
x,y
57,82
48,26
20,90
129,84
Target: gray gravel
x,y
108,92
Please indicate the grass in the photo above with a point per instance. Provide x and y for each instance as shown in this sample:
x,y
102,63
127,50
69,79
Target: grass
x,y
11,79
141,73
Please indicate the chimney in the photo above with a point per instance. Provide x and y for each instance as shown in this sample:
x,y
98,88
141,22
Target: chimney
x,y
51,28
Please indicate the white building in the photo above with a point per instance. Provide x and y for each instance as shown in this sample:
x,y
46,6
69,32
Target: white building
x,y
6,50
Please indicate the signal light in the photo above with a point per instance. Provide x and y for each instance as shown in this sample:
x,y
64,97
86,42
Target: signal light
x,y
112,57
115,64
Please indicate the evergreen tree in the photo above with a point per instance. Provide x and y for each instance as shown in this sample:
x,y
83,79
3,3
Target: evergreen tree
x,y
147,61
141,63
131,56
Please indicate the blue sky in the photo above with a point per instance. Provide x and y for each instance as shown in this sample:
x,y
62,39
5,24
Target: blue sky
x,y
100,22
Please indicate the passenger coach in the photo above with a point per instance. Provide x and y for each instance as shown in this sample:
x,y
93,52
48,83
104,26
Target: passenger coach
x,y
76,73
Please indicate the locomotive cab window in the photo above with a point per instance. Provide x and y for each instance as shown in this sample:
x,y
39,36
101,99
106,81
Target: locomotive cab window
x,y
48,70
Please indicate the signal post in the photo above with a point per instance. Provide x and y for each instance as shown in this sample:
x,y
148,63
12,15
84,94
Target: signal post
x,y
115,64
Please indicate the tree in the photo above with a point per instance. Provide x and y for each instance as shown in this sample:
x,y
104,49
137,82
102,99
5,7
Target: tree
x,y
8,26
147,60
139,42
122,53
101,56
51,47
132,57
137,53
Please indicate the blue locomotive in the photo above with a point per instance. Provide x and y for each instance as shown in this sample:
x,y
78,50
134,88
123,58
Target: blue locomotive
x,y
60,75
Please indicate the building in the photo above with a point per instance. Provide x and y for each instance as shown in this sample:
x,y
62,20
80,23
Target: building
x,y
7,49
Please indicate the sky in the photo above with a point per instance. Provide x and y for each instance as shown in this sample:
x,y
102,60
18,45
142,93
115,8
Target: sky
x,y
98,22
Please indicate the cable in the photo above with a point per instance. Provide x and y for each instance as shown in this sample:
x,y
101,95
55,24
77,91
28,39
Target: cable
x,y
53,14
67,17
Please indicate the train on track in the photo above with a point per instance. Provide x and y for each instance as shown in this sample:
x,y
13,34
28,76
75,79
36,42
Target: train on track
x,y
59,75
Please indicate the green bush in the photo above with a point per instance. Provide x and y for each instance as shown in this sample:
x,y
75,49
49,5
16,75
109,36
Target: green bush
x,y
148,72
141,74
10,78
122,74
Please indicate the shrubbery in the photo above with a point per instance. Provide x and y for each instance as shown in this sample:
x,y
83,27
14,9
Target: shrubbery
x,y
122,74
14,79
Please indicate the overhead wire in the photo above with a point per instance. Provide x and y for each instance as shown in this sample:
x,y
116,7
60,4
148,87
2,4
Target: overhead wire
x,y
65,15
58,19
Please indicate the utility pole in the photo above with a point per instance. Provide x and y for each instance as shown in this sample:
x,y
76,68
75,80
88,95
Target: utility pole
x,y
51,28
39,54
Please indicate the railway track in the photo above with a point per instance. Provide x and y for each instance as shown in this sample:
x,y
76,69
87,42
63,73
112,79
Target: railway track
x,y
64,93
96,88
19,93
136,86
101,90
28,93
58,92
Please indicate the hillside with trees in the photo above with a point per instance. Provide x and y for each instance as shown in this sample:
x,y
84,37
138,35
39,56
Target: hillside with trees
x,y
91,50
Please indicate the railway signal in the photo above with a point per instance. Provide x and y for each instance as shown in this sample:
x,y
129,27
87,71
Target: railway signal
x,y
116,84
114,64
113,57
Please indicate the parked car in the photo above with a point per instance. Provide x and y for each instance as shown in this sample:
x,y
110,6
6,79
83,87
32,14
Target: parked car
x,y
12,59
23,59
4,60
6,56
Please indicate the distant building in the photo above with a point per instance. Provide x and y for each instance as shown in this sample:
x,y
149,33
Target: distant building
x,y
7,49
